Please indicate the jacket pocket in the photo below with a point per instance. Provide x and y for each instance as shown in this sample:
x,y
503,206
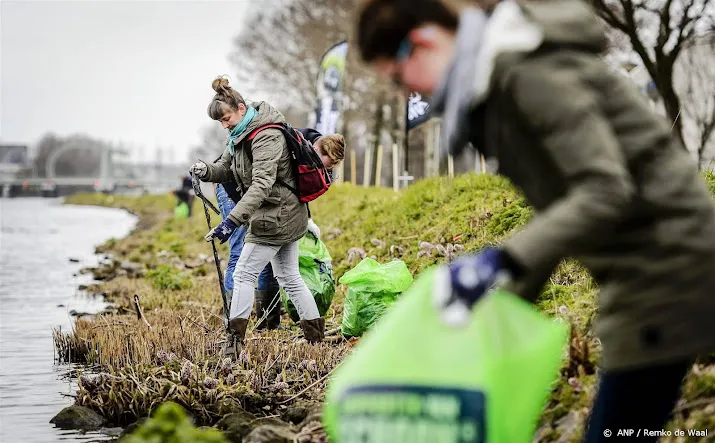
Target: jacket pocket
x,y
274,198
267,221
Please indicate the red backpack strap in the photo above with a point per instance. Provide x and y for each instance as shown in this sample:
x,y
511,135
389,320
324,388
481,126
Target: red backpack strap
x,y
255,132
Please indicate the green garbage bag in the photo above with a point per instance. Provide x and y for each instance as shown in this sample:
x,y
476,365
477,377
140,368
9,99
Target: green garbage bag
x,y
414,379
181,211
316,267
372,289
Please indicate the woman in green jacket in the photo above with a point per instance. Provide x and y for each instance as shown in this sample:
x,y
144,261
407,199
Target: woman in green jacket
x,y
276,219
524,82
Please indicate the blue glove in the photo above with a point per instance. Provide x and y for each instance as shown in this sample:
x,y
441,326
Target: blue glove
x,y
459,285
222,231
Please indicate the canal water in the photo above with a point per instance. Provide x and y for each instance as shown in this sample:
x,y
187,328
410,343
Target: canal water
x,y
43,245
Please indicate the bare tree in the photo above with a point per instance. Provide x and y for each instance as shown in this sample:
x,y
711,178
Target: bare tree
x,y
81,161
278,55
697,69
45,147
82,158
280,49
657,31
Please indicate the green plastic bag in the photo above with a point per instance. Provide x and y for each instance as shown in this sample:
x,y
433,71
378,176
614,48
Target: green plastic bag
x,y
372,289
316,267
414,379
181,211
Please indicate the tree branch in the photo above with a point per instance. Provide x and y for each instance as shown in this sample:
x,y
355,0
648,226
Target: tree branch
x,y
665,29
605,12
636,42
684,35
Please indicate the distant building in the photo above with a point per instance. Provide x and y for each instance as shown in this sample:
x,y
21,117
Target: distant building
x,y
14,154
13,158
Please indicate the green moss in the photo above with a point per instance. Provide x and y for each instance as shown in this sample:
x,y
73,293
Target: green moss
x,y
515,214
170,424
178,248
170,240
568,396
701,386
167,277
710,181
435,210
200,271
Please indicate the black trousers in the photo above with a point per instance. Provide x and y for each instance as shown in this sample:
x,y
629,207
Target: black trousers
x,y
184,196
637,399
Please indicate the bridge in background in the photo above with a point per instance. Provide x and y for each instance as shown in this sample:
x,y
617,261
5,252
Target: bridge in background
x,y
114,176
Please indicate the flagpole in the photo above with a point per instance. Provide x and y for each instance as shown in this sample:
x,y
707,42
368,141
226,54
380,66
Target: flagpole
x,y
340,127
407,139
421,115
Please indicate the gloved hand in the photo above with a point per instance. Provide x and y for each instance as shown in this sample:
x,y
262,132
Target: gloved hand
x,y
222,231
459,285
199,169
313,228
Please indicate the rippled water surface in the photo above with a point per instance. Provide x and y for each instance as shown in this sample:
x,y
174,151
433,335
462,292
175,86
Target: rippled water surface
x,y
38,284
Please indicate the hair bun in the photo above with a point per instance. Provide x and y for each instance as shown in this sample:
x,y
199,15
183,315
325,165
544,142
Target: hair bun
x,y
220,84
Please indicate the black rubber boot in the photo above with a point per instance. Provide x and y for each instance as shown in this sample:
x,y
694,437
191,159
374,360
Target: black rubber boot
x,y
313,330
236,333
264,300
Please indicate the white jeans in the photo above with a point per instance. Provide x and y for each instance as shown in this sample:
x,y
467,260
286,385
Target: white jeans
x,y
284,260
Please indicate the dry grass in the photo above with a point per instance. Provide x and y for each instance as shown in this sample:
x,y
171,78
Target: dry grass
x,y
194,334
177,358
269,371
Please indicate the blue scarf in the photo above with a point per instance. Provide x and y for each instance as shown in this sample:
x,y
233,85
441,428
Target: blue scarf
x,y
240,127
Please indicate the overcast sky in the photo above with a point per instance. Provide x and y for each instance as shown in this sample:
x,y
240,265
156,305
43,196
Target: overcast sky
x,y
129,71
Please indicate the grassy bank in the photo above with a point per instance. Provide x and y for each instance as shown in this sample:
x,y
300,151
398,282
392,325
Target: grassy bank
x,y
170,353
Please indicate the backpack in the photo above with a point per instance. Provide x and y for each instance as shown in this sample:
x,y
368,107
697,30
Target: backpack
x,y
311,177
232,190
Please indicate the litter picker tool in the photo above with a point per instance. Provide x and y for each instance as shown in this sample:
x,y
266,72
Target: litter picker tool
x,y
207,204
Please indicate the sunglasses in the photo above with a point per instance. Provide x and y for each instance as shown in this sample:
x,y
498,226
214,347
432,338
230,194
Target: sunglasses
x,y
404,51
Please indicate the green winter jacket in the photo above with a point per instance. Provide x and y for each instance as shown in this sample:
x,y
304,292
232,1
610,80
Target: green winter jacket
x,y
610,186
273,212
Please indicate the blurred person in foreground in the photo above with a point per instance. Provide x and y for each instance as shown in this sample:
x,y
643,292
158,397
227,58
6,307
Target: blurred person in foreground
x,y
275,218
331,149
524,83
